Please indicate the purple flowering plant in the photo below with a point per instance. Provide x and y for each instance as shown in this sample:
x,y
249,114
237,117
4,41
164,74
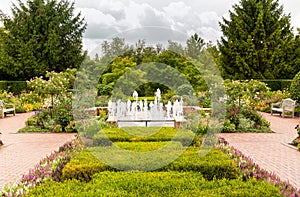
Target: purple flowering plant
x,y
249,169
50,168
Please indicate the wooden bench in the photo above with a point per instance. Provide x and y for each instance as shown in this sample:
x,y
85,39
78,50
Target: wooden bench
x,y
285,108
6,108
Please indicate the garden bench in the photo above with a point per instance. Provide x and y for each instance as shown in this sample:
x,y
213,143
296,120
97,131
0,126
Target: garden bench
x,y
286,107
5,108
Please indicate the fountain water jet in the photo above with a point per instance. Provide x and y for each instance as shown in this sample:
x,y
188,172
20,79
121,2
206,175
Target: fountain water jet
x,y
132,113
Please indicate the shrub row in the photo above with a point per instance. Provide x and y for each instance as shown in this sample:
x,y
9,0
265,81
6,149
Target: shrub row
x,y
142,134
215,164
155,184
83,166
279,84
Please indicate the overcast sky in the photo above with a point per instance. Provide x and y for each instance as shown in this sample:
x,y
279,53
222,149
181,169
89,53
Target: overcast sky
x,y
127,18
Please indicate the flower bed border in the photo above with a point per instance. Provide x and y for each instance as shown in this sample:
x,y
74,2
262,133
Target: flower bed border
x,y
249,169
49,168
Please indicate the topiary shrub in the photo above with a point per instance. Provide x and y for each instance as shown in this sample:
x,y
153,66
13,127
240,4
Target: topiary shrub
x,y
295,88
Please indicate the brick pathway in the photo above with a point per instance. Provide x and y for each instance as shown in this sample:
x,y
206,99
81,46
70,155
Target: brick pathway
x,y
272,151
22,152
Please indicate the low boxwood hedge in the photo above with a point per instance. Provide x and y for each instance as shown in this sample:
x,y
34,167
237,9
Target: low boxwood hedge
x,y
215,164
83,166
141,146
155,184
142,134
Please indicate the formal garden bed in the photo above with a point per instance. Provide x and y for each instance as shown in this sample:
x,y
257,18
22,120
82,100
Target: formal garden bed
x,y
76,170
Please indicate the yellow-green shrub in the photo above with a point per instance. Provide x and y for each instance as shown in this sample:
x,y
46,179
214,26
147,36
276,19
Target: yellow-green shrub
x,y
155,184
83,166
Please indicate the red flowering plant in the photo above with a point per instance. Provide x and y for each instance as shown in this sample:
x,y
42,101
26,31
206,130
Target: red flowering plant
x,y
62,114
243,119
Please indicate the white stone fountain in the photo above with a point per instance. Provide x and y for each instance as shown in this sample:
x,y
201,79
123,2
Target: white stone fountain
x,y
136,112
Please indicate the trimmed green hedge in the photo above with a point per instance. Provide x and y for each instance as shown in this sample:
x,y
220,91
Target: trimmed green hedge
x,y
279,84
155,184
83,166
213,165
141,134
140,146
13,86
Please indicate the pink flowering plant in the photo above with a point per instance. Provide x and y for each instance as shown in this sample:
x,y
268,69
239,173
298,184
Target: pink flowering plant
x,y
50,168
56,113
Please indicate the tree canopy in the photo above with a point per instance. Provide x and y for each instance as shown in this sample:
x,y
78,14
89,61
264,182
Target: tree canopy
x,y
121,59
41,35
257,41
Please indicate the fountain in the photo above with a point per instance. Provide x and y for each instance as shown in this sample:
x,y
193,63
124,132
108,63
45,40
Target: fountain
x,y
133,113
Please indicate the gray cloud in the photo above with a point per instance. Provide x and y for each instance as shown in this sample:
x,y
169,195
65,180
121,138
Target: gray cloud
x,y
152,18
106,18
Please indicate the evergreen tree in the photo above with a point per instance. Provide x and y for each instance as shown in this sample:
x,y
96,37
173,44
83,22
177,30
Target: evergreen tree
x,y
41,35
295,52
256,41
194,46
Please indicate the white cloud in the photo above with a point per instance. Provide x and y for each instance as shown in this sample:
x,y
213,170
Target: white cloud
x,y
94,16
177,9
210,19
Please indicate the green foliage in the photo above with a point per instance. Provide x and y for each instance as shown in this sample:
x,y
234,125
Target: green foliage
x,y
185,89
141,146
83,166
25,102
130,56
295,88
257,42
246,91
55,84
195,45
40,36
228,127
141,134
13,86
32,121
33,129
62,114
155,184
244,119
213,165
278,84
101,140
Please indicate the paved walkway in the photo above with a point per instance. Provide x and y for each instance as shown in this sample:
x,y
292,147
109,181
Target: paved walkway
x,y
22,152
272,151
